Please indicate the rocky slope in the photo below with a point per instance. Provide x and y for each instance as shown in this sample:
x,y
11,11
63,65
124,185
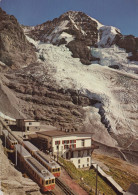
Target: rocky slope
x,y
60,90
15,50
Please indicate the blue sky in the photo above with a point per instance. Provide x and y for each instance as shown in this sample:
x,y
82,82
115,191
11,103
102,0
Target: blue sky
x,y
122,14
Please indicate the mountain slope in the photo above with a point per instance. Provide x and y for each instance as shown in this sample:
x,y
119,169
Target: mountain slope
x,y
15,50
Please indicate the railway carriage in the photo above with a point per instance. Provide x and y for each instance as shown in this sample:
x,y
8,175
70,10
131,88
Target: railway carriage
x,y
44,159
10,140
37,172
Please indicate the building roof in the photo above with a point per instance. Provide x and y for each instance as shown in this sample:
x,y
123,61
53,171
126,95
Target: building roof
x,y
23,152
62,133
30,146
27,120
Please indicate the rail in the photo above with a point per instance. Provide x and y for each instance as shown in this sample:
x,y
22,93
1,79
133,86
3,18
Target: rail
x,y
50,193
63,187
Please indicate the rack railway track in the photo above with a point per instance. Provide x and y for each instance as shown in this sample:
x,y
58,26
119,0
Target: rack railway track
x,y
63,187
50,193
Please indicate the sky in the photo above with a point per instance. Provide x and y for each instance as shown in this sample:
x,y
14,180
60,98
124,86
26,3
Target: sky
x,y
122,14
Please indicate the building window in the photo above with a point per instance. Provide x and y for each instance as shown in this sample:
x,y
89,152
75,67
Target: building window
x,y
72,141
79,153
66,146
78,161
57,147
87,159
65,142
87,165
83,166
30,123
79,166
57,142
82,142
88,152
72,155
73,146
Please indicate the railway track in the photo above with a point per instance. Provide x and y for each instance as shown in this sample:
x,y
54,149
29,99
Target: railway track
x,y
50,193
64,188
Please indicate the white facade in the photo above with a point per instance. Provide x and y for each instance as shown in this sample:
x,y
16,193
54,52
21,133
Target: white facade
x,y
76,148
27,125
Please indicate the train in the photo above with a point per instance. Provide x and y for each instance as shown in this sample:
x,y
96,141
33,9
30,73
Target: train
x,y
44,159
10,141
35,170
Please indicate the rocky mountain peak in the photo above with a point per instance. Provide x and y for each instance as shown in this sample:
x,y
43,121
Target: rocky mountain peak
x,y
15,50
74,29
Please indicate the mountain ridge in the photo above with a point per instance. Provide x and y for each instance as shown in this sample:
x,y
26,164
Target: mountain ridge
x,y
79,31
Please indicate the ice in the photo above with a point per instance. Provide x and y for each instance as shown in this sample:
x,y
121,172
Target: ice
x,y
66,36
107,35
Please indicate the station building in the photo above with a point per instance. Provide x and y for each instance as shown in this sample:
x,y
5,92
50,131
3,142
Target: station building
x,y
74,146
27,125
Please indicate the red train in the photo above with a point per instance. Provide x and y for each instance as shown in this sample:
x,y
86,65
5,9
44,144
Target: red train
x,y
35,170
10,141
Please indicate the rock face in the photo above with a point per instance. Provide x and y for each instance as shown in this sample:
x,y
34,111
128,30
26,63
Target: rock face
x,y
46,101
129,43
15,50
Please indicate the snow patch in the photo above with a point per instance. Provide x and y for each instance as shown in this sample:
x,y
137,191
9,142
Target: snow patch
x,y
6,117
115,56
107,35
66,36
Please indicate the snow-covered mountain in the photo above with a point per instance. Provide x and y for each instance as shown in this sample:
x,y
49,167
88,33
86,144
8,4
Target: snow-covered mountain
x,y
85,78
79,32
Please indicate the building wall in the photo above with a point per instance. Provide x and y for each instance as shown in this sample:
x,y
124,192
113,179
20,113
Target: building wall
x,y
81,158
77,144
27,125
81,162
30,124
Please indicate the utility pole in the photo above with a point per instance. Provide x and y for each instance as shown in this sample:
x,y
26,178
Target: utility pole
x,y
96,178
5,141
16,156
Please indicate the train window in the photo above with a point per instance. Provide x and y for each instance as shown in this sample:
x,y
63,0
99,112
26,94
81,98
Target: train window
x,y
47,182
53,181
